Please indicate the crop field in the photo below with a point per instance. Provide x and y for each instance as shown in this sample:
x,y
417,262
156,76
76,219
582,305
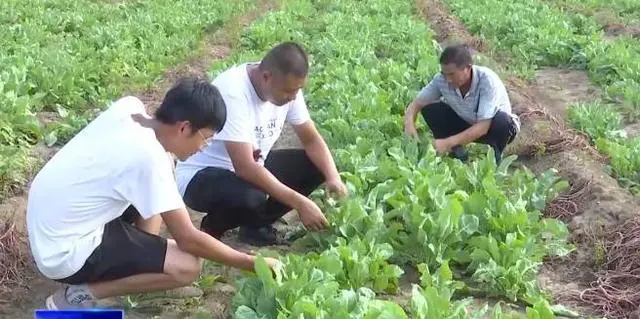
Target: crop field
x,y
553,232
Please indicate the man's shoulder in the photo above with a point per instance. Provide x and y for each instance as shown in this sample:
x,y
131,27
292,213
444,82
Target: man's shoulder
x,y
146,152
127,104
231,71
299,98
129,100
439,79
232,84
488,73
139,142
439,82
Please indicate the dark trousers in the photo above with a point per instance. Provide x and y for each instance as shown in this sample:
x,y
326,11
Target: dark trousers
x,y
229,201
444,122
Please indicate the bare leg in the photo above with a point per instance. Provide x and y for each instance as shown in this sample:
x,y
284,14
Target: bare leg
x,y
180,269
150,225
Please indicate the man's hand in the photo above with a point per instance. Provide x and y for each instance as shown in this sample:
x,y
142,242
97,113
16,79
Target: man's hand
x,y
442,145
311,216
337,187
410,119
273,263
410,128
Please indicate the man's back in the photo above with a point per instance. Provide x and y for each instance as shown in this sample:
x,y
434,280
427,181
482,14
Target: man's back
x,y
86,185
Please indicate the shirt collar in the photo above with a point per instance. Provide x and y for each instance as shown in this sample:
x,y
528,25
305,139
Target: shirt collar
x,y
474,79
254,94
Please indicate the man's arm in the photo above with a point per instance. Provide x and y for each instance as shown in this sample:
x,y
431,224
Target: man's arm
x,y
151,188
471,134
412,111
485,113
317,149
429,94
200,244
248,169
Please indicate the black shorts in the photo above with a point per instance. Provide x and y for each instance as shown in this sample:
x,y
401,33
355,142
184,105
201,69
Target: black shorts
x,y
125,251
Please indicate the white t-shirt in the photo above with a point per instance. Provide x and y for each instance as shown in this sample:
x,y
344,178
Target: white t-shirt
x,y
249,120
112,163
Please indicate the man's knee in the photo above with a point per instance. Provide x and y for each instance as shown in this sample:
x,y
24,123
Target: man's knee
x,y
501,132
502,120
501,124
187,271
182,266
191,270
313,173
435,112
253,200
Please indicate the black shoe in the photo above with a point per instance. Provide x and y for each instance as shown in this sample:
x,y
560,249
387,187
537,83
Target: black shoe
x,y
459,153
263,236
204,226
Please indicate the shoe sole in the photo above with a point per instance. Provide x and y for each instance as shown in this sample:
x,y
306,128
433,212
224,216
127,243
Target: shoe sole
x,y
50,304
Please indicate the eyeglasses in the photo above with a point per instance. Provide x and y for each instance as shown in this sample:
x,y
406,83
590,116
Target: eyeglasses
x,y
206,139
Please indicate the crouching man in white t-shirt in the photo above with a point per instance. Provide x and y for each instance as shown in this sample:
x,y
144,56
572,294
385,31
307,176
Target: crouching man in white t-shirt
x,y
114,172
236,179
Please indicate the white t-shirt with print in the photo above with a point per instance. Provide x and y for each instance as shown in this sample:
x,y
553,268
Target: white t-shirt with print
x,y
112,163
249,120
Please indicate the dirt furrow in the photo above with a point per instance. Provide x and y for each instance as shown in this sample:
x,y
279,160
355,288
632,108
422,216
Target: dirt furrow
x,y
612,24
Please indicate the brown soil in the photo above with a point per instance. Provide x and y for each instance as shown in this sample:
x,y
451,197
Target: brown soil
x,y
567,86
633,130
23,300
612,25
545,142
618,29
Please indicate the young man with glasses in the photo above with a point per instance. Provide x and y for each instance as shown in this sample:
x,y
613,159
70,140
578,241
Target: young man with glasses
x,y
95,209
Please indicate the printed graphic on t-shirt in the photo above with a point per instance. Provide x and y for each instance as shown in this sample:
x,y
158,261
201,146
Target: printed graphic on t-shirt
x,y
266,131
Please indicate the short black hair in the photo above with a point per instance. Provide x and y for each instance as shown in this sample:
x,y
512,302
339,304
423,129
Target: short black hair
x,y
458,54
195,100
287,58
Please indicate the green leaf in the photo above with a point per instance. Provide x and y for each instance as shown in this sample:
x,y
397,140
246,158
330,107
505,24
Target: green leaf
x,y
505,164
561,310
264,273
244,312
469,224
51,138
385,310
444,273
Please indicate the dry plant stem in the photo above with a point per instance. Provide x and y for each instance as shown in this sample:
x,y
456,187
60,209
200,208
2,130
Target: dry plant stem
x,y
567,205
568,138
616,291
12,260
